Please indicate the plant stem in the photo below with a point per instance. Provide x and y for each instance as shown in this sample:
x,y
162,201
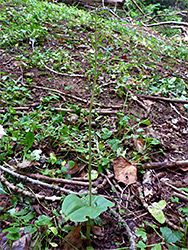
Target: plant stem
x,y
90,117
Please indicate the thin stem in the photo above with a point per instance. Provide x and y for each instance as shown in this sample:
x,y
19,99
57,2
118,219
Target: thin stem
x,y
90,118
90,108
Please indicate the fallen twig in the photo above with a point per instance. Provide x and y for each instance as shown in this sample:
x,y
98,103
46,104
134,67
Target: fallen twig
x,y
181,196
61,93
111,184
183,117
56,180
124,224
60,73
163,99
168,23
165,182
37,182
165,164
27,193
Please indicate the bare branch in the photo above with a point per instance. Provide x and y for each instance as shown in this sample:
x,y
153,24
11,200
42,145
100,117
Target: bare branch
x,y
168,23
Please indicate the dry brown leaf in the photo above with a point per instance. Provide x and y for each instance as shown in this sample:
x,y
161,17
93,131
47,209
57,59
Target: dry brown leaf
x,y
72,170
184,169
27,164
74,238
124,171
148,102
16,63
139,143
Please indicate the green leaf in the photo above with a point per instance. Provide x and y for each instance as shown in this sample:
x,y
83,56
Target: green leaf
x,y
43,220
157,247
68,87
81,150
94,175
20,185
28,217
30,229
184,210
29,137
14,237
53,230
106,134
2,191
156,210
141,232
53,244
21,212
141,245
78,209
169,236
146,122
114,143
12,110
175,248
12,230
53,158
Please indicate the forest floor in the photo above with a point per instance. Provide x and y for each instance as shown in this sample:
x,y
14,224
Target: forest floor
x,y
139,129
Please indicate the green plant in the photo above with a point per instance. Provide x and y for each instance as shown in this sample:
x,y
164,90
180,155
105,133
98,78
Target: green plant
x,y
84,210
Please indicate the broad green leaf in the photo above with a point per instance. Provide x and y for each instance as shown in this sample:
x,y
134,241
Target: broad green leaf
x,y
30,229
78,209
12,230
141,245
141,232
175,248
156,210
29,137
146,122
94,175
184,210
106,134
114,143
53,158
169,236
14,237
43,220
81,150
21,212
20,185
28,217
2,191
53,230
53,244
157,247
12,110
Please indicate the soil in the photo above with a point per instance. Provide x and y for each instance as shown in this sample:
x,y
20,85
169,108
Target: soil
x,y
168,125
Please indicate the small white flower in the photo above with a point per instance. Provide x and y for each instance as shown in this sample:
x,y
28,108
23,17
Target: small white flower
x,y
2,132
